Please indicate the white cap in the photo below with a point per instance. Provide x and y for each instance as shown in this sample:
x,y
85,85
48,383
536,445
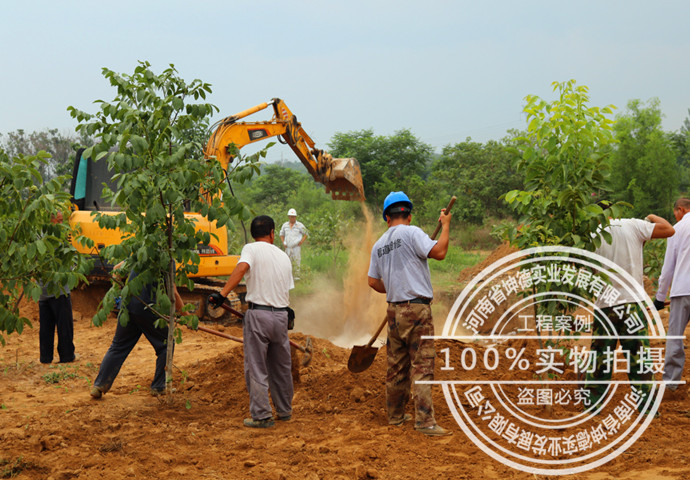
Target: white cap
x,y
292,212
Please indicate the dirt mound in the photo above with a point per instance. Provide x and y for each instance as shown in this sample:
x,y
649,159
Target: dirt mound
x,y
51,429
501,251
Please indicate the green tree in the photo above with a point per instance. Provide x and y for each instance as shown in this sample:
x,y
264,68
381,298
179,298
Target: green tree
x,y
681,142
145,134
563,158
478,174
275,185
643,167
388,163
61,148
35,250
282,187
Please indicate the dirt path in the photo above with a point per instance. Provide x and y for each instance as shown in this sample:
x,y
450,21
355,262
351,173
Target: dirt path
x,y
339,430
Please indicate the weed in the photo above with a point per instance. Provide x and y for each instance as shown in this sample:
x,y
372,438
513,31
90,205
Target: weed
x,y
325,352
135,389
188,405
57,375
11,468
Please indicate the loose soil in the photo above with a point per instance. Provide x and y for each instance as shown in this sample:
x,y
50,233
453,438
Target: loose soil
x,y
339,429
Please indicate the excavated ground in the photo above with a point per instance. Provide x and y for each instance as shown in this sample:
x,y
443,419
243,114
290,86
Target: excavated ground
x,y
339,429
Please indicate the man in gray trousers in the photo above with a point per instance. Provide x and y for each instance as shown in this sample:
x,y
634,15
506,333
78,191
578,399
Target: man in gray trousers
x,y
267,362
676,274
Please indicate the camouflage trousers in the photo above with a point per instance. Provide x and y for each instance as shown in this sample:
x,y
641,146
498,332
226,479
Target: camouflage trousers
x,y
603,370
410,359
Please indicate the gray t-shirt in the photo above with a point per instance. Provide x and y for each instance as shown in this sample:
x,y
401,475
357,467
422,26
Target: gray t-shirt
x,y
399,259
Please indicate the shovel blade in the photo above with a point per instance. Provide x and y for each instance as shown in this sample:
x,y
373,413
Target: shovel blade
x,y
361,358
308,349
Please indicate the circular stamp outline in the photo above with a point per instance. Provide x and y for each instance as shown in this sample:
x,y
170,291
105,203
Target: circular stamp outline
x,y
624,281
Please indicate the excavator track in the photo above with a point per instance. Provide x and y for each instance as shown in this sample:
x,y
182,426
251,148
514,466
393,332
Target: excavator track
x,y
205,311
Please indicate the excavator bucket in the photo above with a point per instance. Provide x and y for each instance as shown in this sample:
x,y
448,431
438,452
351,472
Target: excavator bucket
x,y
344,182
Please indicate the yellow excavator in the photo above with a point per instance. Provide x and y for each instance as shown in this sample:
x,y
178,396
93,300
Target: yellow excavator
x,y
341,177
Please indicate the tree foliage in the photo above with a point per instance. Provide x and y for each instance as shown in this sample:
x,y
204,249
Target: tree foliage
x,y
563,158
478,174
280,188
144,133
681,143
35,250
644,169
388,163
61,148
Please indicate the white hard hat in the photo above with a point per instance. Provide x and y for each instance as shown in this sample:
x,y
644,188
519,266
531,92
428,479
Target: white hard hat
x,y
292,212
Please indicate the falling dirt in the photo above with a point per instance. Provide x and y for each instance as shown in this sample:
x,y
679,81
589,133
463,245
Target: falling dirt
x,y
50,429
346,315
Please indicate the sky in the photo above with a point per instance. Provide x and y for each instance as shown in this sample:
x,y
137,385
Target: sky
x,y
446,70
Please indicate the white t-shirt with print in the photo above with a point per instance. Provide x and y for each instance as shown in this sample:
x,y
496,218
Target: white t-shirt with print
x,y
399,259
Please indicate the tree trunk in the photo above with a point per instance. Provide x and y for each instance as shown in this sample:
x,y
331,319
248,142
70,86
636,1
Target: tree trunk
x,y
170,287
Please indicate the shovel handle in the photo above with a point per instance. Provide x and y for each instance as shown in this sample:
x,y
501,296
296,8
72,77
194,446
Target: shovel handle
x,y
438,227
378,332
228,308
220,334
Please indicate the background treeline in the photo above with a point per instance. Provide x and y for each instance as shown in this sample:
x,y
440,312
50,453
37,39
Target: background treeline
x,y
648,168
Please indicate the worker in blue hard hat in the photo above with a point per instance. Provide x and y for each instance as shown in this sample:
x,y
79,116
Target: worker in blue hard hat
x,y
399,268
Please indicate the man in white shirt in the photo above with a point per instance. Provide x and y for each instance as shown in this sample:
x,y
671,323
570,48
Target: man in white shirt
x,y
293,234
267,360
628,236
676,274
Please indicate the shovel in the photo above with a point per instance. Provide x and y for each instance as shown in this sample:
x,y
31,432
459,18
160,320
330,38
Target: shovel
x,y
306,350
362,356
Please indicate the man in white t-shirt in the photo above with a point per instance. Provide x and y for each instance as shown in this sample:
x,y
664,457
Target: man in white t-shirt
x,y
293,234
267,360
628,236
676,274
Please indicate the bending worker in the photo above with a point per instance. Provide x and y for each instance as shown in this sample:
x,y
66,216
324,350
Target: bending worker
x,y
399,268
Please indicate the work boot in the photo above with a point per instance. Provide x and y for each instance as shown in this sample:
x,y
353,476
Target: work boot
x,y
399,421
96,392
265,423
157,392
435,431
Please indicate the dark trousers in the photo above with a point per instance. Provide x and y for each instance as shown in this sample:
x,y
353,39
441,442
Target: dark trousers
x,y
126,337
604,371
56,313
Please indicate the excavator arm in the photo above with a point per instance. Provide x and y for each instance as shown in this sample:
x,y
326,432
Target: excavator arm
x,y
341,176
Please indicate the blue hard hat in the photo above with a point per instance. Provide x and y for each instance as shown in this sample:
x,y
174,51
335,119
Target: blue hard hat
x,y
393,198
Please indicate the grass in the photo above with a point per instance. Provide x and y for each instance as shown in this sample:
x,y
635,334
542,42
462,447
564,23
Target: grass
x,y
60,373
12,468
443,273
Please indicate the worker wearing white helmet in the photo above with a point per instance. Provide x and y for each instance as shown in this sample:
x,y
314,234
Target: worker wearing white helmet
x,y
293,234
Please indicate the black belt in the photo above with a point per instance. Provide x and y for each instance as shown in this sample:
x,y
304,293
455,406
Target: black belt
x,y
423,301
256,306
